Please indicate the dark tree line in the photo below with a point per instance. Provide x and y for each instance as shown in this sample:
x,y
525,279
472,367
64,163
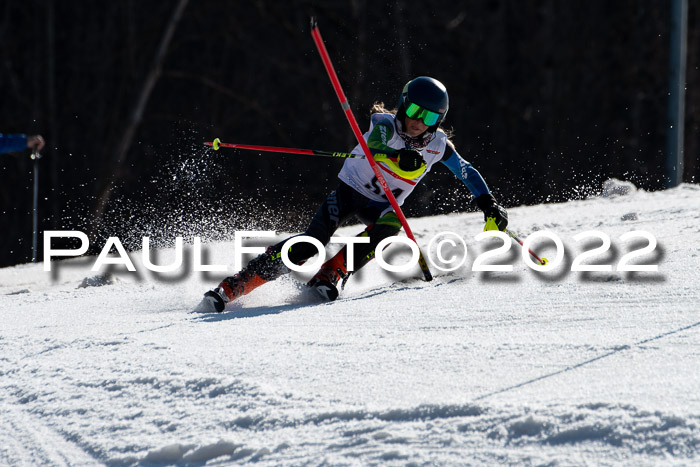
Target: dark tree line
x,y
548,99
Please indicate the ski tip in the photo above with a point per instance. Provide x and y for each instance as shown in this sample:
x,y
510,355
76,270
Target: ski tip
x,y
324,289
211,303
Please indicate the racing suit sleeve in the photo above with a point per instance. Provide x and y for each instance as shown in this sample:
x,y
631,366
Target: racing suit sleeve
x,y
464,171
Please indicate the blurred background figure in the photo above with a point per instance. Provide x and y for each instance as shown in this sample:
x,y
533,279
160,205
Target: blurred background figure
x,y
12,143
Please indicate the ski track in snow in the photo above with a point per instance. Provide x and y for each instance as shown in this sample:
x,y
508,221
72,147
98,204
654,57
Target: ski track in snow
x,y
562,368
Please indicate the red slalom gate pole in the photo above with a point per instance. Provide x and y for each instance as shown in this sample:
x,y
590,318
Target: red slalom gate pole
x,y
316,34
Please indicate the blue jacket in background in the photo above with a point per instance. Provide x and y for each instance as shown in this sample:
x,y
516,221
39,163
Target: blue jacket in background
x,y
10,143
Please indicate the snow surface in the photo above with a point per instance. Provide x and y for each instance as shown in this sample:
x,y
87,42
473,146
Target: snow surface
x,y
558,368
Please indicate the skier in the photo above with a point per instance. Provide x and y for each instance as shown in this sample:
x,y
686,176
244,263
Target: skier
x,y
408,142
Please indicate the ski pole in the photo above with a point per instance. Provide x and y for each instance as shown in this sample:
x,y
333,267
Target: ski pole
x,y
35,206
316,34
541,261
216,144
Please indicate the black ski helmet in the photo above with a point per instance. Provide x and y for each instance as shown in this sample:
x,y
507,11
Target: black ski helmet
x,y
428,93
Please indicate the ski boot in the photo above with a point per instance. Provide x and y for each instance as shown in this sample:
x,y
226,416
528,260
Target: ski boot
x,y
231,288
325,282
264,268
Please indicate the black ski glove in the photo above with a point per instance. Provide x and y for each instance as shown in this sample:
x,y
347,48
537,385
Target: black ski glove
x,y
409,159
487,203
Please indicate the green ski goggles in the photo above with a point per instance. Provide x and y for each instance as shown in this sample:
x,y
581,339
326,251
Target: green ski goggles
x,y
416,112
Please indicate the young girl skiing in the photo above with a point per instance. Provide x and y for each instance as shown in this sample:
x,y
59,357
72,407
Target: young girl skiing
x,y
410,143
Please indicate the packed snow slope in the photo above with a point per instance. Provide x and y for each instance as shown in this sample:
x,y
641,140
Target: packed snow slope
x,y
521,367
